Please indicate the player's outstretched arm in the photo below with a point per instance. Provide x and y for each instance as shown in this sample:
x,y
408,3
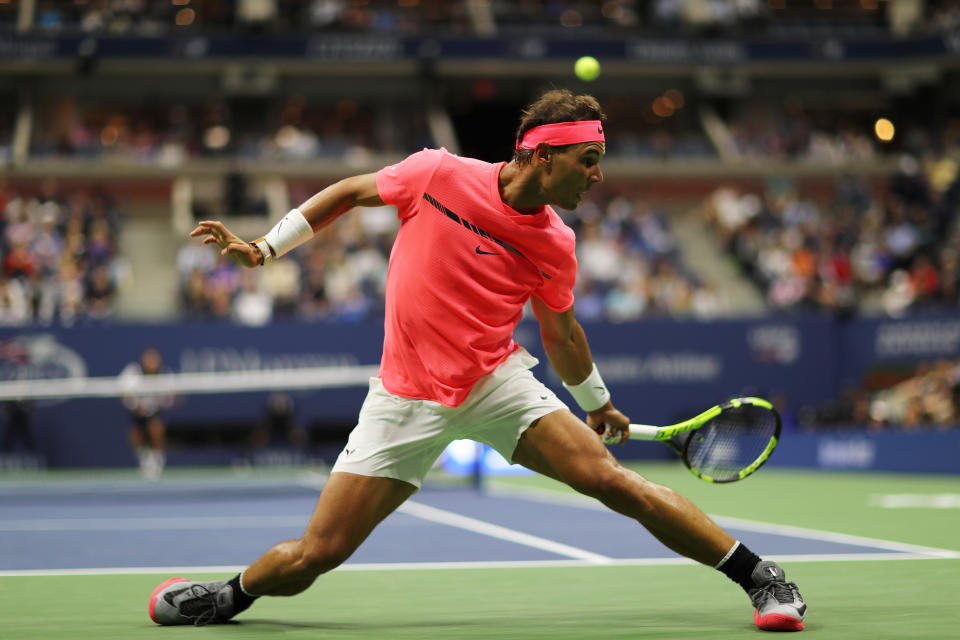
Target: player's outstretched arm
x,y
569,353
297,226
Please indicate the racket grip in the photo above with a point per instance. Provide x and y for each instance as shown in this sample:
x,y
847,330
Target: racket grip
x,y
609,435
643,432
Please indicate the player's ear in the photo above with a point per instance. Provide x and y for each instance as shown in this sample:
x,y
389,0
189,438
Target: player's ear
x,y
543,156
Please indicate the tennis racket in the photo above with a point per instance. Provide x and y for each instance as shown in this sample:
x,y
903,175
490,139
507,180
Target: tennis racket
x,y
725,443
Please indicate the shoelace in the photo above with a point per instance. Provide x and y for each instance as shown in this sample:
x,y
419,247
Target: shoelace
x,y
207,613
783,592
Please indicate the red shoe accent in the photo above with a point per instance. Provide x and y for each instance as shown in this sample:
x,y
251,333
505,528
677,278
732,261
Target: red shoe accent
x,y
777,622
153,596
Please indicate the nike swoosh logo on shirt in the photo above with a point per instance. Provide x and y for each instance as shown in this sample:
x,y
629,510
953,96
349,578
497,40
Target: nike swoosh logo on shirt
x,y
480,232
485,253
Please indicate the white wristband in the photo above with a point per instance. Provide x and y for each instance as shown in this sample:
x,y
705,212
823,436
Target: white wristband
x,y
265,251
592,393
292,231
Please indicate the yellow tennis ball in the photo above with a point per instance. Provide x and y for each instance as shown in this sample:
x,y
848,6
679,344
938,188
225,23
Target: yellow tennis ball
x,y
586,68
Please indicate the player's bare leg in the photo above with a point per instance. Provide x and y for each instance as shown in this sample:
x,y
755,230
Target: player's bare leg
x,y
347,511
349,508
563,447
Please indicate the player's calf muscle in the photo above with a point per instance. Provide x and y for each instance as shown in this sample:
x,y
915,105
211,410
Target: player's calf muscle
x,y
319,556
290,567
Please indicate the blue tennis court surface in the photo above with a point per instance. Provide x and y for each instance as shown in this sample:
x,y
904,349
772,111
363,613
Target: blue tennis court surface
x,y
129,526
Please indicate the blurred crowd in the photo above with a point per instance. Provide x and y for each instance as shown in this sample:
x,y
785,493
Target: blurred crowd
x,y
259,17
630,265
58,251
296,128
930,396
339,276
629,268
418,17
889,247
170,134
762,130
674,125
927,396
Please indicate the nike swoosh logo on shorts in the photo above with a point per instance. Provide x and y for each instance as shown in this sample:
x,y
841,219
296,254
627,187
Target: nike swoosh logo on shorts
x,y
485,253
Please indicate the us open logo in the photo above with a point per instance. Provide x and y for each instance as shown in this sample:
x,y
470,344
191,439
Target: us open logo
x,y
39,357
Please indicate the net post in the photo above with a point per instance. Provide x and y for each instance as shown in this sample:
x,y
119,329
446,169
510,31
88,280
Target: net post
x,y
476,477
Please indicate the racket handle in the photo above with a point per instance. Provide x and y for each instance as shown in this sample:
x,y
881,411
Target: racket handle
x,y
643,432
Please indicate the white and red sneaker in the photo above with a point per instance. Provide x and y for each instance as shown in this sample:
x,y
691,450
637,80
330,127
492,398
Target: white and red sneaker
x,y
180,601
779,606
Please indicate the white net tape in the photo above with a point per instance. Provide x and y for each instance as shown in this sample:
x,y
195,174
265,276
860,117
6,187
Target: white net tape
x,y
188,383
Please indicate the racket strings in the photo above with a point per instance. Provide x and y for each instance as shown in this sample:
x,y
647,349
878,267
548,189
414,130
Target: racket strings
x,y
731,442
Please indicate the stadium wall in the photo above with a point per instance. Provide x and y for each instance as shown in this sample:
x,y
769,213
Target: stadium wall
x,y
659,371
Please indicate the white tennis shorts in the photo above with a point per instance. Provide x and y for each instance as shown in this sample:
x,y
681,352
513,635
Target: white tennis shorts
x,y
401,438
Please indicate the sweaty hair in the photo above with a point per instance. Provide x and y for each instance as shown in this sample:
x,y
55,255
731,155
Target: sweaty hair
x,y
556,105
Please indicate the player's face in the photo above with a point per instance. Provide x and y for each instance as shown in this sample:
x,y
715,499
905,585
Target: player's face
x,y
574,171
150,361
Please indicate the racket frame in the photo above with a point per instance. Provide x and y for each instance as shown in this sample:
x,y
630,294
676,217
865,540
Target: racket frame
x,y
666,434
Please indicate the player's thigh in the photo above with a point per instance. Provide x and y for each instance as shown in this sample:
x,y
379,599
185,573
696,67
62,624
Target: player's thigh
x,y
561,445
350,506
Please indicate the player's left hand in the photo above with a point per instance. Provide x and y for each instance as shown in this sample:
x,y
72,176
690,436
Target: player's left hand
x,y
612,426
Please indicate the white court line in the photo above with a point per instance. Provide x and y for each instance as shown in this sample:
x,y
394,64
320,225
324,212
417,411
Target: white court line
x,y
494,564
449,518
915,500
829,536
577,500
153,523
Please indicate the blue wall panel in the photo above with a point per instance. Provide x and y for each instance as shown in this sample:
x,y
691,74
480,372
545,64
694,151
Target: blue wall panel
x,y
659,371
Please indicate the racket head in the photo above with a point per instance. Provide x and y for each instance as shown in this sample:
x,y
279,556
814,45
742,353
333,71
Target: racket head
x,y
734,443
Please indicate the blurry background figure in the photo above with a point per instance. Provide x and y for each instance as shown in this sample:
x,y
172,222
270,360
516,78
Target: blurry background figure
x,y
18,427
148,429
18,445
278,436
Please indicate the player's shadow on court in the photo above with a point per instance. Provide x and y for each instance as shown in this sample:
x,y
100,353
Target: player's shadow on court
x,y
280,625
603,627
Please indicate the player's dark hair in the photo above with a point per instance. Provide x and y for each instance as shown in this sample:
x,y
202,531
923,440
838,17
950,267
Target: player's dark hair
x,y
556,105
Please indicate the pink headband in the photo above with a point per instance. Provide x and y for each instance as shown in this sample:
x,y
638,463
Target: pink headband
x,y
562,133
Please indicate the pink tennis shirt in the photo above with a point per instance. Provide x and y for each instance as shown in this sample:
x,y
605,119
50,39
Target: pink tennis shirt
x,y
461,269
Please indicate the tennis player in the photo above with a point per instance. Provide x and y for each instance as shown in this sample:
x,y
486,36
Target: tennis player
x,y
476,242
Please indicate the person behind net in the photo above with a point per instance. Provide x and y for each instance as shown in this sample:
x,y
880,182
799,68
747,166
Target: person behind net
x,y
148,429
476,242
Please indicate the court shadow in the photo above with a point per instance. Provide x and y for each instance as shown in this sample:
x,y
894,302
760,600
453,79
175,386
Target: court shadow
x,y
279,625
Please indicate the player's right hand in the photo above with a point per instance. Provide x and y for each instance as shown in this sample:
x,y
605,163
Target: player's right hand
x,y
612,426
230,244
